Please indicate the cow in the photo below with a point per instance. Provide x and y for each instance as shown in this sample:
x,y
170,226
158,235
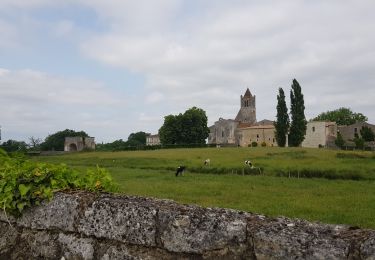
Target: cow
x,y
207,162
248,162
180,170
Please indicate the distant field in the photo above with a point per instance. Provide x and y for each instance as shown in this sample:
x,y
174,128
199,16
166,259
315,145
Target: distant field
x,y
333,186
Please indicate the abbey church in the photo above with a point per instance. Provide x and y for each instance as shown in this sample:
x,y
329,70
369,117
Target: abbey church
x,y
244,129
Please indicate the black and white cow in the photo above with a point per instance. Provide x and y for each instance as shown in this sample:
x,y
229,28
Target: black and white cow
x,y
180,170
248,162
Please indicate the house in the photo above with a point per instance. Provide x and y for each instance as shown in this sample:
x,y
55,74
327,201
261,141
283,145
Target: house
x,y
320,134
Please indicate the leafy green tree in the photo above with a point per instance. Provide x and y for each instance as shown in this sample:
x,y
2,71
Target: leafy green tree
x,y
342,116
56,141
188,128
339,142
170,131
136,139
298,125
282,119
359,142
367,134
11,146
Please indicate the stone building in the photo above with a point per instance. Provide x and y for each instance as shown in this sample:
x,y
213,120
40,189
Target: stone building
x,y
348,132
79,143
223,132
247,113
244,129
320,134
152,139
262,132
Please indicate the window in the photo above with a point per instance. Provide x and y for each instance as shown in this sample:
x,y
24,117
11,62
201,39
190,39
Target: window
x,y
355,130
313,128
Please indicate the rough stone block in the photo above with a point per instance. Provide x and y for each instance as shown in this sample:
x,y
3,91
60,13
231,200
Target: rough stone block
x,y
284,238
128,219
193,229
61,213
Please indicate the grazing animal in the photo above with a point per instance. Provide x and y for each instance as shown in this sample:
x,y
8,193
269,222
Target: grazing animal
x,y
180,170
207,162
248,162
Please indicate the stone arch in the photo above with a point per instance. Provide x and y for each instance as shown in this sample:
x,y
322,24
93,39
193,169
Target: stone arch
x,y
73,147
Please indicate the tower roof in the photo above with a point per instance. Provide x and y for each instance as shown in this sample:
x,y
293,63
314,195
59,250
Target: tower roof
x,y
248,93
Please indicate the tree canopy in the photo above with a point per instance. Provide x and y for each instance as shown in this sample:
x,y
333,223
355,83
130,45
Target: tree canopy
x,y
297,111
14,146
367,134
282,119
188,128
56,141
342,116
136,139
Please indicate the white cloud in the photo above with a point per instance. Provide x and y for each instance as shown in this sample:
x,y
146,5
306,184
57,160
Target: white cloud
x,y
38,103
327,46
64,28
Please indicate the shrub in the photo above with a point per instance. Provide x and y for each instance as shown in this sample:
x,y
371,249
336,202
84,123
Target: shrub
x,y
25,183
254,144
263,144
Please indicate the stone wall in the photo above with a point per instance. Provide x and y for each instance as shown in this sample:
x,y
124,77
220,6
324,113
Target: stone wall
x,y
84,225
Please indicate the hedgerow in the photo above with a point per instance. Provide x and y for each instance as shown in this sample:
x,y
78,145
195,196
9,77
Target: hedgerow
x,y
25,183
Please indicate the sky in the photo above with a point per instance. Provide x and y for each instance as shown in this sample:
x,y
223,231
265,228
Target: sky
x,y
116,67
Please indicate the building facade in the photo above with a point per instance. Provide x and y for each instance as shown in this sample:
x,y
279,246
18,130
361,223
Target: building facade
x,y
152,139
223,132
79,143
320,134
348,132
261,134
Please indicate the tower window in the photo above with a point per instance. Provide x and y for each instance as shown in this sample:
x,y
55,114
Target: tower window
x,y
313,128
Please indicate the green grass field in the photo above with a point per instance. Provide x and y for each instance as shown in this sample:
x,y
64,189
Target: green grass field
x,y
333,186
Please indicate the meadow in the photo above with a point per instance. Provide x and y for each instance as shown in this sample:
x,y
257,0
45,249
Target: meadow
x,y
315,184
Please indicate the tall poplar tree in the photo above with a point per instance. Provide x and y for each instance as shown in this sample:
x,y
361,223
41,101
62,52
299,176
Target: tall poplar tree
x,y
282,119
297,111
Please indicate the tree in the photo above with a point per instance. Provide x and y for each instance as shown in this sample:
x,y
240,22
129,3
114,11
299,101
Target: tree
x,y
297,111
56,141
188,128
342,116
359,142
136,139
14,146
339,142
282,119
34,143
367,134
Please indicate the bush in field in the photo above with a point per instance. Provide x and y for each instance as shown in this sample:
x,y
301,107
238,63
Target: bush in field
x,y
25,183
359,142
367,134
339,142
254,144
263,144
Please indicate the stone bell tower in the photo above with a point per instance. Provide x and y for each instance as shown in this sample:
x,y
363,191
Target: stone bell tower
x,y
247,113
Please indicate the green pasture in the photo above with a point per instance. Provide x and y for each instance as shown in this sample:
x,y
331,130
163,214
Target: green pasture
x,y
324,185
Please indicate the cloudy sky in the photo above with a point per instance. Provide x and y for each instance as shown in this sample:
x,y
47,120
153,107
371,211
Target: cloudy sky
x,y
113,67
